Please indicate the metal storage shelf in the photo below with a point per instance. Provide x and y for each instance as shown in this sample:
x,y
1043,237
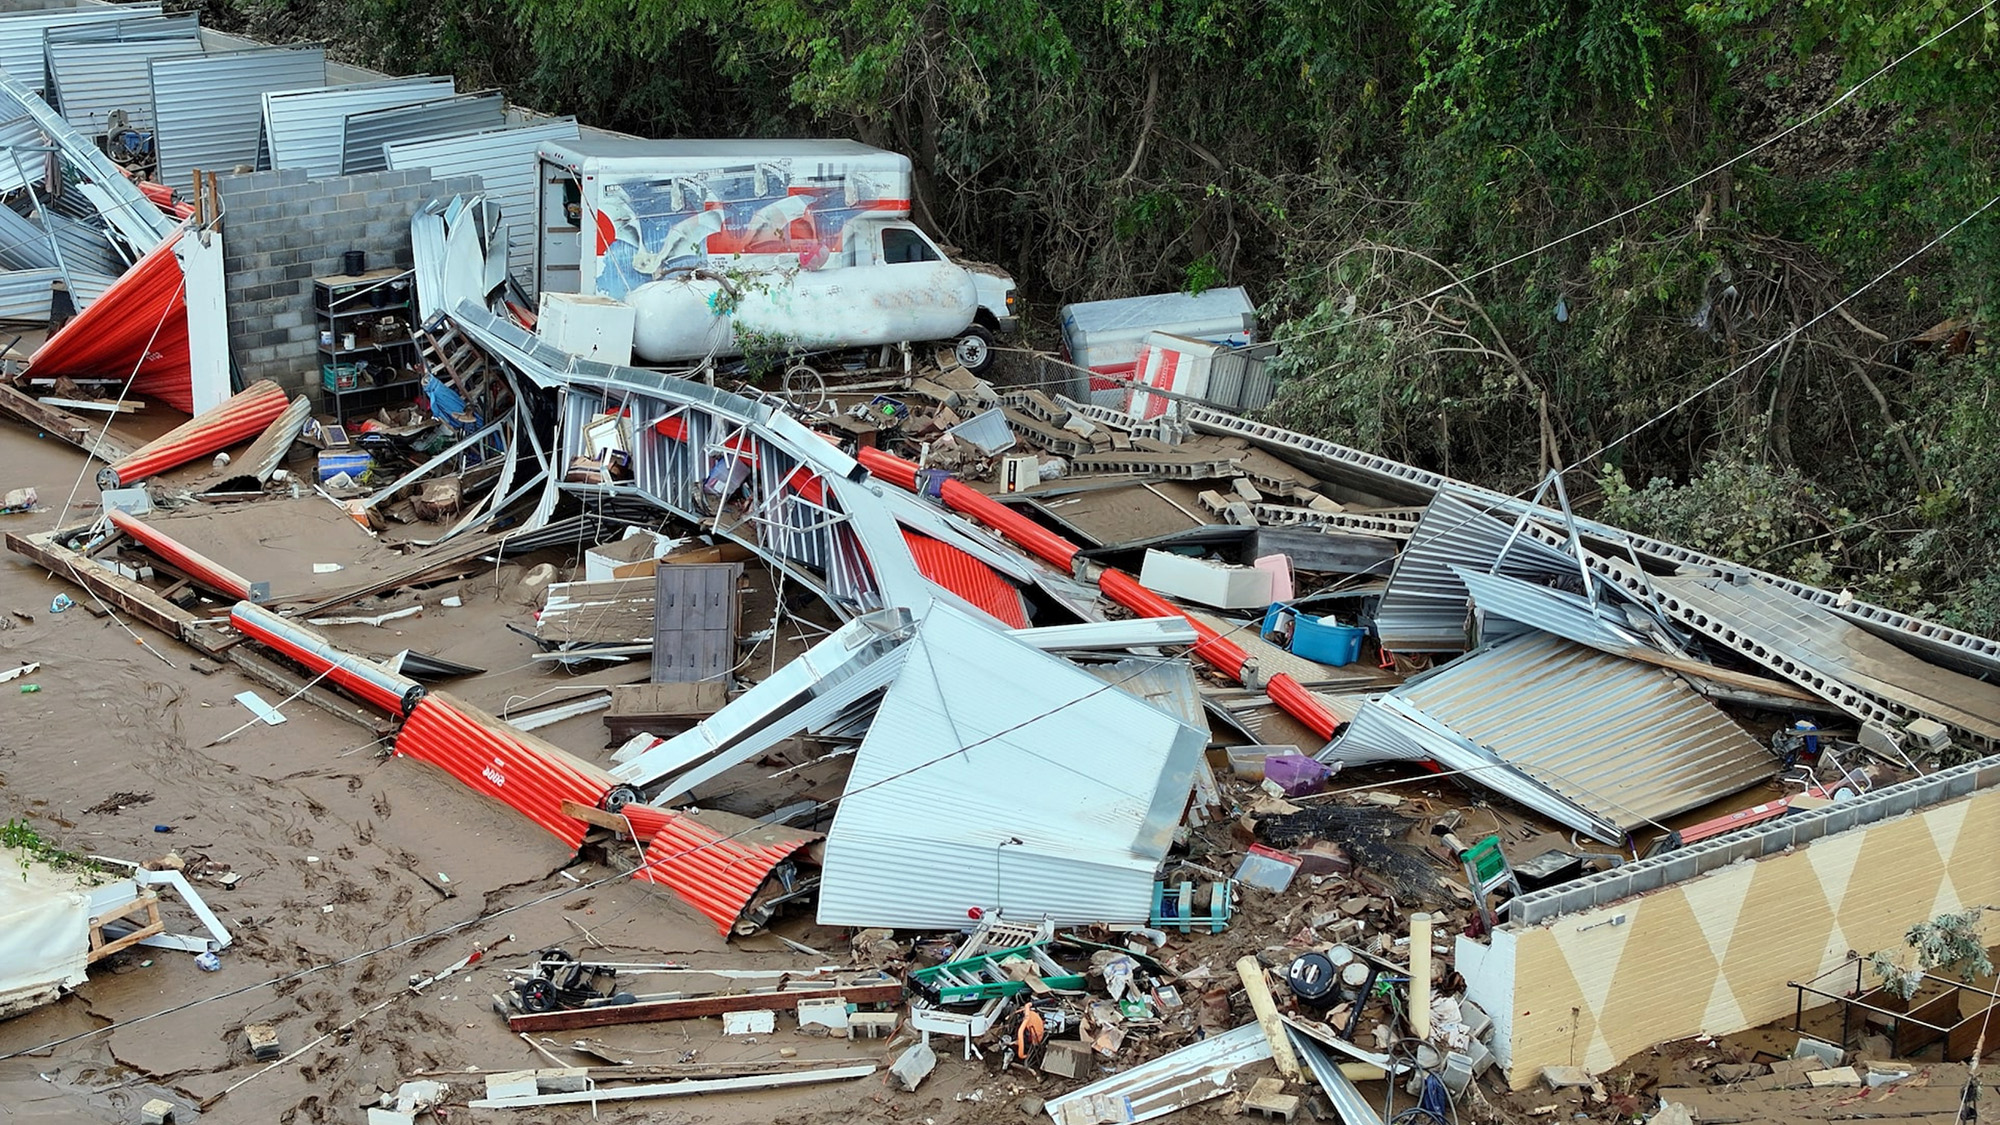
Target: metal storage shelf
x,y
338,302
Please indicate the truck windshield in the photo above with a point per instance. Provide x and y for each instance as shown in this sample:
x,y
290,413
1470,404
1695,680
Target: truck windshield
x,y
901,244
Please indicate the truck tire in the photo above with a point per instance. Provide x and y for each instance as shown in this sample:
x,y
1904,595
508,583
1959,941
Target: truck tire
x,y
974,349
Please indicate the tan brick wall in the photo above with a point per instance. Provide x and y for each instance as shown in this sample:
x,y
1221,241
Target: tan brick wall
x,y
1714,954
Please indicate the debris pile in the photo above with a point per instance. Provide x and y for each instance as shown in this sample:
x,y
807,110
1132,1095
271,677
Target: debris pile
x,y
1133,743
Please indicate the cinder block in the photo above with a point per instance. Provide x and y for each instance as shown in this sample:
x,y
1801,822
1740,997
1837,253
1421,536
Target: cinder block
x,y
159,1111
512,1084
872,1025
292,175
567,1080
260,354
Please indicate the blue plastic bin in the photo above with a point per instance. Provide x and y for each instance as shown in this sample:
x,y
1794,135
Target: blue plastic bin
x,y
1318,639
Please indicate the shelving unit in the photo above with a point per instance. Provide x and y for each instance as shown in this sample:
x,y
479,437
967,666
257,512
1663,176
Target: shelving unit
x,y
358,309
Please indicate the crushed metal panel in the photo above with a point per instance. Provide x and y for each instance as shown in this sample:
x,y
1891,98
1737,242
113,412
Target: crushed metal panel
x,y
94,79
1423,610
1175,1080
1166,682
21,34
208,111
366,133
696,612
505,161
86,248
24,244
119,202
25,295
1560,612
714,861
1631,743
1046,792
19,130
1840,650
304,127
858,658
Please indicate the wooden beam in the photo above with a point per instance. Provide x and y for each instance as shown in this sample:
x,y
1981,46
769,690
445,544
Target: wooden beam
x,y
696,1007
592,815
58,423
140,601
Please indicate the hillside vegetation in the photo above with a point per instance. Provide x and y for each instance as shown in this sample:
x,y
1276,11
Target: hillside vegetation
x,y
1360,166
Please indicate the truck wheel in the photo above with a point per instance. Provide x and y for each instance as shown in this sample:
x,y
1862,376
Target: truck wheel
x,y
974,349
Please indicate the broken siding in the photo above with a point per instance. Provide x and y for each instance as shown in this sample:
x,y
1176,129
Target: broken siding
x,y
21,34
92,80
208,111
505,162
366,133
304,127
1423,609
1712,955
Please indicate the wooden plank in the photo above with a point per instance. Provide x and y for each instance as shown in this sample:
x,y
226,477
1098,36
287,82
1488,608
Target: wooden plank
x,y
84,433
589,815
696,1007
1719,1106
140,601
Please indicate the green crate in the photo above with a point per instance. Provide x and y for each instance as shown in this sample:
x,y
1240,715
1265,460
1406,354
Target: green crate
x,y
981,978
339,376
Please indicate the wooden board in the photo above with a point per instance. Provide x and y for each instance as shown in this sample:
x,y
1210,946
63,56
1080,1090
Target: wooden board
x,y
699,1006
132,597
1719,1106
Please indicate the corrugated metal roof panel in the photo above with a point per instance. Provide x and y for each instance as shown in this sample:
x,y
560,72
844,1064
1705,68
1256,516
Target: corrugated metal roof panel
x,y
24,245
304,127
969,578
25,294
127,30
504,160
1423,609
715,861
1840,650
1630,743
86,246
19,130
21,34
366,133
208,112
93,79
1023,783
510,766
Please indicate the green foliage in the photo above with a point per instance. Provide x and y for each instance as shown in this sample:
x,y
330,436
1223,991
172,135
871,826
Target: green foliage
x,y
30,849
1357,166
1949,941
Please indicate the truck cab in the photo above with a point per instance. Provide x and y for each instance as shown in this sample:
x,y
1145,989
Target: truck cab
x,y
870,240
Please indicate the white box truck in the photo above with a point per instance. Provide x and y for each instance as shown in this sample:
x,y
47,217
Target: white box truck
x,y
720,246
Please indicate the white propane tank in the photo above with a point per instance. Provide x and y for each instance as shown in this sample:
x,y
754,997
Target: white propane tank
x,y
862,306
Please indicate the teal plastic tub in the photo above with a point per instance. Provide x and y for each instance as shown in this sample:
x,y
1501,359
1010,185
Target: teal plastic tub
x,y
1319,639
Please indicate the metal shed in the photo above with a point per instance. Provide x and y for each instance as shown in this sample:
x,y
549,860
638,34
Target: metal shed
x,y
208,111
505,161
304,127
997,776
366,133
1423,609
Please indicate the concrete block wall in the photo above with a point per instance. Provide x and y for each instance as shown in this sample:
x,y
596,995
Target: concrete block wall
x,y
281,229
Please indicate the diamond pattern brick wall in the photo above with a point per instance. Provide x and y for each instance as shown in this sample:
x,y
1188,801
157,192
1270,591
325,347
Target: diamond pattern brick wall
x,y
282,229
1714,954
